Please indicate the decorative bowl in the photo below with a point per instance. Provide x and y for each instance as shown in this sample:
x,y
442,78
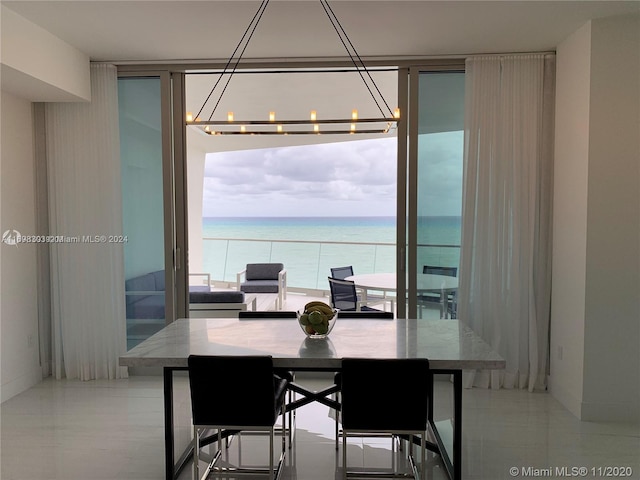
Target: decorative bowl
x,y
317,322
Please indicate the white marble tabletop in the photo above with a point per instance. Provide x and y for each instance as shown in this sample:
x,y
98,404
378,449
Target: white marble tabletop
x,y
448,344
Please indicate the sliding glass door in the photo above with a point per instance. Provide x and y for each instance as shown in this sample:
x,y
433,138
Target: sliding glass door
x,y
434,191
146,186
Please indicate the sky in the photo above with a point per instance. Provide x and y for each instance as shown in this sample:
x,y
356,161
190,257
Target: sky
x,y
353,178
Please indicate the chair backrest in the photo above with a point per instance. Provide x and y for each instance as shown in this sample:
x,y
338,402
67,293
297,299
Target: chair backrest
x,y
267,314
263,271
385,394
342,272
221,385
343,294
367,314
447,271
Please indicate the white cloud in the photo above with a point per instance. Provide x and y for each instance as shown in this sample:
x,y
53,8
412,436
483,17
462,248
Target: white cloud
x,y
347,178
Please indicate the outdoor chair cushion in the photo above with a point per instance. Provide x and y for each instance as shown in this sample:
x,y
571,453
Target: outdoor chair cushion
x,y
216,297
263,271
260,286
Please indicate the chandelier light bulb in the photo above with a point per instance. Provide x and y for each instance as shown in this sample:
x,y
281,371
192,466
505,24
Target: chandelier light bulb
x,y
314,115
396,113
230,116
354,114
272,116
189,117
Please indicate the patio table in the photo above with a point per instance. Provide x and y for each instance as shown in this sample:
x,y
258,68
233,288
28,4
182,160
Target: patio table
x,y
426,282
450,346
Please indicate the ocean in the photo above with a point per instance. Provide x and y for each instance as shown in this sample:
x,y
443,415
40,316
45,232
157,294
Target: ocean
x,y
310,246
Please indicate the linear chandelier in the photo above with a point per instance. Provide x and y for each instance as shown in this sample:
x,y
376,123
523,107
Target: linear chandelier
x,y
315,124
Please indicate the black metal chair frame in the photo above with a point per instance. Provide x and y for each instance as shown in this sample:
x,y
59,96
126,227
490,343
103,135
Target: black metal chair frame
x,y
268,402
290,376
450,307
343,292
364,404
337,378
248,314
339,272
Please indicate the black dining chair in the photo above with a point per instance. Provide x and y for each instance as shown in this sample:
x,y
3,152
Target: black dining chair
x,y
345,297
342,272
248,314
289,375
219,397
364,314
425,299
398,405
337,378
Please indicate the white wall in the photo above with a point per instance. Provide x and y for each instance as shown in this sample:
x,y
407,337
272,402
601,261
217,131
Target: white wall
x,y
612,308
195,187
40,66
595,326
19,361
570,218
34,66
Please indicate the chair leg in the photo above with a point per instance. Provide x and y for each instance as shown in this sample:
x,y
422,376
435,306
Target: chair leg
x,y
344,454
423,472
196,453
272,434
337,399
291,413
284,426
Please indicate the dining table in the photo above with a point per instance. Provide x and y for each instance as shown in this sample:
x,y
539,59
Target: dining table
x,y
385,282
450,346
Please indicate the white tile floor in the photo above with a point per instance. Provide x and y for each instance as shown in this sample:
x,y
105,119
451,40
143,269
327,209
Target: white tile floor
x,y
71,430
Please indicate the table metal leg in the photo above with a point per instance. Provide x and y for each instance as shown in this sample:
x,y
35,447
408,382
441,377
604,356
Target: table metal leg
x,y
168,423
452,460
172,467
457,425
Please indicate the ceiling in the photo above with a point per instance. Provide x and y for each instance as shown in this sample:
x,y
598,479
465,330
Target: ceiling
x,y
184,31
153,31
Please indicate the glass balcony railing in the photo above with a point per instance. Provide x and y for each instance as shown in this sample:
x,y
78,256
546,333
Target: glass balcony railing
x,y
308,263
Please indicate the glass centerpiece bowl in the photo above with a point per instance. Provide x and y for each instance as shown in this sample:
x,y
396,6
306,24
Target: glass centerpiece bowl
x,y
317,320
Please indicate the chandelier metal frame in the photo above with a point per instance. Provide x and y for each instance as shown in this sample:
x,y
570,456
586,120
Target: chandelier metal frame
x,y
336,126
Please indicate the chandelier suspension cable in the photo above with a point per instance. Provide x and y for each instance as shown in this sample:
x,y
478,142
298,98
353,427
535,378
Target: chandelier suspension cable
x,y
232,66
235,66
341,32
254,22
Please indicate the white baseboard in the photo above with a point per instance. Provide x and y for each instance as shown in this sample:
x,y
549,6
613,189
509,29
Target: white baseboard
x,y
628,412
566,398
19,384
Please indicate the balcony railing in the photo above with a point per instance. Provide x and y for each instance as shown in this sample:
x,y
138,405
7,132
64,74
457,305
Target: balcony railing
x,y
309,262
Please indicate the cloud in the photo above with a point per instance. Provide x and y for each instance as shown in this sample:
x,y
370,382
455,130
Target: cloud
x,y
347,178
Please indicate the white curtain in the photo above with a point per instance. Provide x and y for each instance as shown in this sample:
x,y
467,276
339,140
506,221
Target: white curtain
x,y
505,259
85,203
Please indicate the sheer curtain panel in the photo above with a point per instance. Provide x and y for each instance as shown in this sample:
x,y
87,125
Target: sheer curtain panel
x,y
87,286
505,269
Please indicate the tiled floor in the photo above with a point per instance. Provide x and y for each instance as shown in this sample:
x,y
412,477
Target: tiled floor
x,y
71,430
